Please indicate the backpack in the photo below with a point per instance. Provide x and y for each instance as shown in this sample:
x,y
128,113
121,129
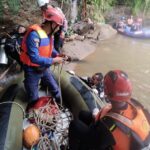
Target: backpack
x,y
11,44
12,48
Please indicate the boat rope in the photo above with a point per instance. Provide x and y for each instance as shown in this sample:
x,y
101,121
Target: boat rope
x,y
54,68
60,67
43,143
53,122
10,102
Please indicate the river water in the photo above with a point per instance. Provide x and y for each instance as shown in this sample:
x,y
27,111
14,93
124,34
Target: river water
x,y
128,54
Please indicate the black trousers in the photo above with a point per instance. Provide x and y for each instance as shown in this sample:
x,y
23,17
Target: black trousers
x,y
85,134
58,41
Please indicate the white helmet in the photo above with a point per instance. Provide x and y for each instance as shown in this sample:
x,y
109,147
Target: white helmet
x,y
42,2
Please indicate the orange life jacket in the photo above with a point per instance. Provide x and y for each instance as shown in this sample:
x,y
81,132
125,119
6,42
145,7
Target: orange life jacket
x,y
103,112
45,45
134,119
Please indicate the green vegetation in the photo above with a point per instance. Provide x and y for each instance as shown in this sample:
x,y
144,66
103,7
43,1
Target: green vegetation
x,y
101,6
14,5
135,5
98,6
139,6
1,10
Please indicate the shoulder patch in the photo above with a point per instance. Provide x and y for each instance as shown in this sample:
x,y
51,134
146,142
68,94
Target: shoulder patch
x,y
37,41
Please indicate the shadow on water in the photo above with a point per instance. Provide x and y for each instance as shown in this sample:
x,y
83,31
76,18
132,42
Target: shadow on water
x,y
128,54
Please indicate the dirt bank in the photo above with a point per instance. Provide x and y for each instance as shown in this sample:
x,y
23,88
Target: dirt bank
x,y
81,49
78,50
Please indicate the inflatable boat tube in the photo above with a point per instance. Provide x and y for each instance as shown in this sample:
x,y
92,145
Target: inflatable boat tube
x,y
76,96
142,34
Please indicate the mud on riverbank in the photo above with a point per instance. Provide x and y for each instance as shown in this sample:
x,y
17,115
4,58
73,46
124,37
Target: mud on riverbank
x,y
81,49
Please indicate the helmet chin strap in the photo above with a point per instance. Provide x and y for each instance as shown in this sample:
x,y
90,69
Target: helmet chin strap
x,y
118,106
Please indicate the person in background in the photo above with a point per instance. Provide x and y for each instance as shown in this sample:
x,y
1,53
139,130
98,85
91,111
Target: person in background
x,y
95,82
120,125
38,55
60,35
130,21
121,23
137,25
21,30
13,43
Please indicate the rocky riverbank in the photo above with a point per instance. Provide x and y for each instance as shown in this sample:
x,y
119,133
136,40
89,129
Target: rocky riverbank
x,y
81,48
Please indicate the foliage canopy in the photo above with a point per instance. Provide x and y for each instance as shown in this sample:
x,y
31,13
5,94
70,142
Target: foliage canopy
x,y
100,5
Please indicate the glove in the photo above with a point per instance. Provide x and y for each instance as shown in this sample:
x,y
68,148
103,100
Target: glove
x,y
66,58
95,91
61,55
58,60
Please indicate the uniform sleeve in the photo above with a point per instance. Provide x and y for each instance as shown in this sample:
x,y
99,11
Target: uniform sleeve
x,y
33,52
55,53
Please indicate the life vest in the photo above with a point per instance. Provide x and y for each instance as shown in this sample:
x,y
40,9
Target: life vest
x,y
133,125
103,112
45,46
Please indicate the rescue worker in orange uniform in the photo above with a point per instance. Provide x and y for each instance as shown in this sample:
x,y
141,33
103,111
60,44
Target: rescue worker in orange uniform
x,y
38,55
121,125
60,34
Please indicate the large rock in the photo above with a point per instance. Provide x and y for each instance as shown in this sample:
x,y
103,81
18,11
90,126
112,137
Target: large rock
x,y
82,27
101,32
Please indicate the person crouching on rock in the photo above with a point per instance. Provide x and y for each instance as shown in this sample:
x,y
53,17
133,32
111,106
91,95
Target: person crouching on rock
x,y
38,55
120,125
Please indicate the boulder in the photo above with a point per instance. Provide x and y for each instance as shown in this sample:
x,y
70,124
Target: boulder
x,y
101,32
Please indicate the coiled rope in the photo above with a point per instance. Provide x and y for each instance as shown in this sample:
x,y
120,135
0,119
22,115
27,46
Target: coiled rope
x,y
53,125
10,102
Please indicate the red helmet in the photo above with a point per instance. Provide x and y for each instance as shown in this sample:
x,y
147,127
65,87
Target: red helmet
x,y
117,86
52,14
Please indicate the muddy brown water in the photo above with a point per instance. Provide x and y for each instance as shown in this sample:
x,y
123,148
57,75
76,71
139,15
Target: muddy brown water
x,y
128,54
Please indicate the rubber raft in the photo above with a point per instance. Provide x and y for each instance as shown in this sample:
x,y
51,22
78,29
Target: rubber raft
x,y
142,34
75,93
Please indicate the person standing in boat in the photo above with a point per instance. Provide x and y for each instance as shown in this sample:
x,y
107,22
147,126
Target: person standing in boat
x,y
130,21
121,24
95,82
59,35
38,55
120,125
137,25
